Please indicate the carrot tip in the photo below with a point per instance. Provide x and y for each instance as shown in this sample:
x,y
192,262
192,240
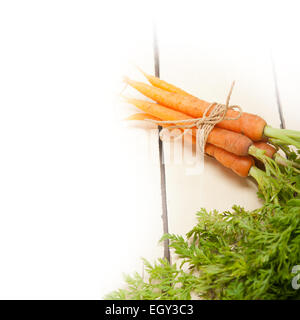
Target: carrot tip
x,y
124,98
129,100
128,118
143,72
140,69
133,117
126,79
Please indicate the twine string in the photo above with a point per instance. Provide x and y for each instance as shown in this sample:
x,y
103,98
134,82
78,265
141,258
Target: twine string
x,y
205,124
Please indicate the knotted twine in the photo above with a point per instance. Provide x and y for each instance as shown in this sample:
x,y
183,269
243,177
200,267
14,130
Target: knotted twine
x,y
205,124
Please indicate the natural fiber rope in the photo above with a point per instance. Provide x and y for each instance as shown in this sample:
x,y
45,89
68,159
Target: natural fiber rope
x,y
204,124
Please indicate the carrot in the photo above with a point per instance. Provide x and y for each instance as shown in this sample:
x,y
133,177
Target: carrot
x,y
241,165
249,124
230,141
238,164
142,116
157,82
157,110
270,150
272,153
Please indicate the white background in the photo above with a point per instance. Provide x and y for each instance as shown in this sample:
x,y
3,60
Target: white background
x,y
79,200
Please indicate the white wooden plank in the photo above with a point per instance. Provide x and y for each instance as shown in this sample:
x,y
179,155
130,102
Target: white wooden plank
x,y
203,55
77,208
286,52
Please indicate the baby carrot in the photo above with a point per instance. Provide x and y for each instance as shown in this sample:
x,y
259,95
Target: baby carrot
x,y
238,164
269,150
228,140
249,124
145,116
272,153
157,82
142,116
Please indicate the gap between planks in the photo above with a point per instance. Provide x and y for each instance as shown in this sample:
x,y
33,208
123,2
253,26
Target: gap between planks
x,y
278,101
161,157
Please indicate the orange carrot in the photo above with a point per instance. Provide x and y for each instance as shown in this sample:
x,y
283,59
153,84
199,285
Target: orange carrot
x,y
238,164
242,165
270,150
142,116
249,124
231,141
157,82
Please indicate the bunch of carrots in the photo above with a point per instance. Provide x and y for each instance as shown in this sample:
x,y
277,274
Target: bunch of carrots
x,y
236,254
233,143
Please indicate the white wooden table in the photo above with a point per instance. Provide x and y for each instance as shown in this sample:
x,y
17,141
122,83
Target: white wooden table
x,y
204,59
80,196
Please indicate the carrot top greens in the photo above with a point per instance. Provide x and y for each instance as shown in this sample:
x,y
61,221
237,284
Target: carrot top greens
x,y
236,254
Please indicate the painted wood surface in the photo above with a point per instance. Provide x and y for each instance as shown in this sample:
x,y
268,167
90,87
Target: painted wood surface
x,y
80,188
